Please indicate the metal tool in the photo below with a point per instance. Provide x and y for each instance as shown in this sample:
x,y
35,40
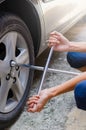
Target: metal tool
x,y
44,69
50,70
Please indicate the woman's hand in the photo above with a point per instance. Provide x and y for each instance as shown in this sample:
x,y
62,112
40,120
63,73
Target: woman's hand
x,y
59,42
37,102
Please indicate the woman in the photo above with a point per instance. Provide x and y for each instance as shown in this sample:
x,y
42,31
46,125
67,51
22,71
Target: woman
x,y
78,84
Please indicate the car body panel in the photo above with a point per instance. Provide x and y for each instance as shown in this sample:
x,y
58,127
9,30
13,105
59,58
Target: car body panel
x,y
59,12
59,15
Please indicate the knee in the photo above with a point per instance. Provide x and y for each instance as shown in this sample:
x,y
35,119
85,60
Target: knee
x,y
73,59
80,95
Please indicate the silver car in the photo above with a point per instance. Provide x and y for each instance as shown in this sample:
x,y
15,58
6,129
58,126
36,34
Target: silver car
x,y
24,27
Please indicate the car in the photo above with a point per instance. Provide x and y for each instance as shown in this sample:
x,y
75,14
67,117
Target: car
x,y
25,25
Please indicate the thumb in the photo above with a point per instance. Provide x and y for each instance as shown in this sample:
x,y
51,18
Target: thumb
x,y
33,109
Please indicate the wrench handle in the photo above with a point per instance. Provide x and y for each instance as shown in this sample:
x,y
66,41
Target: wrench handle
x,y
45,69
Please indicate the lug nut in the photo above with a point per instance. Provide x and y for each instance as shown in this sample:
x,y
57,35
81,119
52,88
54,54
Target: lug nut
x,y
17,67
12,63
8,77
14,80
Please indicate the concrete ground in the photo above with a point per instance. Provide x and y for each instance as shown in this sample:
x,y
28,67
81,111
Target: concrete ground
x,y
60,113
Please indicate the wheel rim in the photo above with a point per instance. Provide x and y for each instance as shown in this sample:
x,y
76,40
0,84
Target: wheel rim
x,y
13,81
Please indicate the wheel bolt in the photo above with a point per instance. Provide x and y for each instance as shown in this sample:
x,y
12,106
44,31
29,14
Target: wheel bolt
x,y
17,67
12,63
8,77
14,80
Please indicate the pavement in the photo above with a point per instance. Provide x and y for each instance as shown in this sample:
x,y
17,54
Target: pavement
x,y
61,112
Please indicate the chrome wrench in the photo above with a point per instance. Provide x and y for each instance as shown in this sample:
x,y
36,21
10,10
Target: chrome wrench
x,y
14,64
44,69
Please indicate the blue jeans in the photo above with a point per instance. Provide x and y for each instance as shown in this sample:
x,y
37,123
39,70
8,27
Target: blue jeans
x,y
77,60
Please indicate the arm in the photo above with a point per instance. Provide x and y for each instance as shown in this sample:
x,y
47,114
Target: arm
x,y
61,43
46,94
77,47
67,86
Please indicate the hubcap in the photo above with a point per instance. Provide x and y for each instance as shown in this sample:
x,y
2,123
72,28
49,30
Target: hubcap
x,y
13,79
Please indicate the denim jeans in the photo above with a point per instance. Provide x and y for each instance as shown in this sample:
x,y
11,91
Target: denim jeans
x,y
77,60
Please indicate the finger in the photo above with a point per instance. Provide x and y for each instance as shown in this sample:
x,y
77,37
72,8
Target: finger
x,y
55,36
34,109
31,105
53,39
55,33
31,110
53,42
34,98
32,101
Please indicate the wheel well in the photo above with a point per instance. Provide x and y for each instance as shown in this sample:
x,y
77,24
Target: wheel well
x,y
27,12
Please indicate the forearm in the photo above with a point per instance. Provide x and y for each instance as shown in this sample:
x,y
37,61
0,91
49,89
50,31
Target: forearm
x,y
77,47
67,86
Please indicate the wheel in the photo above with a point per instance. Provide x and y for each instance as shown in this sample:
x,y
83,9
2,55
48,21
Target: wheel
x,y
15,46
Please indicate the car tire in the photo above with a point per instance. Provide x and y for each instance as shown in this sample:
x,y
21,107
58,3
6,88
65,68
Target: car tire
x,y
12,27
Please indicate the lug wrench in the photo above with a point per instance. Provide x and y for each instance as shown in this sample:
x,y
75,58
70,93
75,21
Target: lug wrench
x,y
13,63
44,69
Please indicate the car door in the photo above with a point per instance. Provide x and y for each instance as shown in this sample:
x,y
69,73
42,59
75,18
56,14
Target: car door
x,y
61,14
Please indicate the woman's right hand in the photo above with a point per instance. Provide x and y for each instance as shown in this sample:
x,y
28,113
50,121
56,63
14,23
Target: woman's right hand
x,y
59,42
